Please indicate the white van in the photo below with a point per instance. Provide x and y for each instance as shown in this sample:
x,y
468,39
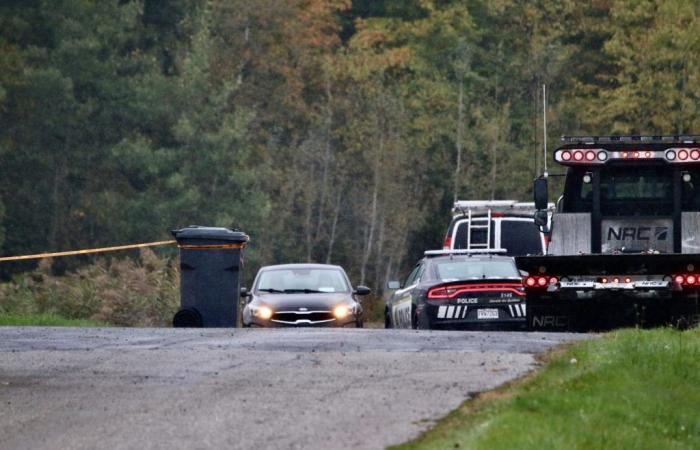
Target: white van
x,y
495,224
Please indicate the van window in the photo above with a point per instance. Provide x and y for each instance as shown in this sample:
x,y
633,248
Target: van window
x,y
478,234
520,237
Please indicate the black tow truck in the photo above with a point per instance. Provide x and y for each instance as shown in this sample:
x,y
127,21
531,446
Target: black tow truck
x,y
624,239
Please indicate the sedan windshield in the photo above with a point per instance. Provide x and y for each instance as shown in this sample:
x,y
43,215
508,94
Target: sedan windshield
x,y
465,269
302,280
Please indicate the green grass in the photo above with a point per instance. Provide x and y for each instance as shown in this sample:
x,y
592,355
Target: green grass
x,y
45,320
631,389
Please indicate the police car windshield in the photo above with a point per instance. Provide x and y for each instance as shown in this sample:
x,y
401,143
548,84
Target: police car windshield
x,y
302,281
476,269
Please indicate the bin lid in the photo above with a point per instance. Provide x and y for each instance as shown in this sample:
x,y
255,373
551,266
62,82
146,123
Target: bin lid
x,y
206,235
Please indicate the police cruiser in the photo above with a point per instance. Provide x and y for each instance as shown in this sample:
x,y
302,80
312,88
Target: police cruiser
x,y
459,289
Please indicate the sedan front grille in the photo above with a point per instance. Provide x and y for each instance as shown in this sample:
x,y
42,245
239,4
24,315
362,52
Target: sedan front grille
x,y
293,317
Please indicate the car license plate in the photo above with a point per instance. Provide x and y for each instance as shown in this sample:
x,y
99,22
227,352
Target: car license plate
x,y
487,313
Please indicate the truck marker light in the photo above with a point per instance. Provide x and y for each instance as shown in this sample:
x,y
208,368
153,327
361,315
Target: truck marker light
x,y
616,280
628,280
604,280
670,155
566,156
695,154
679,279
690,279
578,156
647,154
637,154
540,282
624,154
683,155
590,156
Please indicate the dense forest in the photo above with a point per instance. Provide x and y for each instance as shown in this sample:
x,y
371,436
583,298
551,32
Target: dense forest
x,y
328,130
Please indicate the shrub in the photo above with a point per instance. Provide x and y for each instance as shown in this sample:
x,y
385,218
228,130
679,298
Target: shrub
x,y
118,291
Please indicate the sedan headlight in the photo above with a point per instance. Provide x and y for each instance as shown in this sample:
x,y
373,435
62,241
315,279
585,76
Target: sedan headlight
x,y
341,312
262,312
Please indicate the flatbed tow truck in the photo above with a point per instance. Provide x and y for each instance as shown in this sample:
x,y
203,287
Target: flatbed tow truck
x,y
624,239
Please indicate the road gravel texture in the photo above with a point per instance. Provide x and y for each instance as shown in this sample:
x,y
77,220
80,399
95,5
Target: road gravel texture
x,y
125,388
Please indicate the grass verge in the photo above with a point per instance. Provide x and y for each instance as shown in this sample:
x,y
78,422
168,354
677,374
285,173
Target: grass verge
x,y
631,389
46,320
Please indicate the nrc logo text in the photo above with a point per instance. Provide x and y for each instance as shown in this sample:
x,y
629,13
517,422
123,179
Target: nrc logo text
x,y
637,233
549,321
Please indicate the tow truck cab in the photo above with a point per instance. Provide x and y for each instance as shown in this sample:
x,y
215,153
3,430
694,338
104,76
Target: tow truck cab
x,y
624,247
628,197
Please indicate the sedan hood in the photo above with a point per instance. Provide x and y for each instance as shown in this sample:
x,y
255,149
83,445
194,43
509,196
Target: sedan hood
x,y
292,302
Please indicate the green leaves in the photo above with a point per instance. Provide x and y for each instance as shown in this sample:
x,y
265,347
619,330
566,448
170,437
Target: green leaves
x,y
329,130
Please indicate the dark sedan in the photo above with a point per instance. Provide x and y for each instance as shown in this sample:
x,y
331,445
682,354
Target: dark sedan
x,y
297,295
459,290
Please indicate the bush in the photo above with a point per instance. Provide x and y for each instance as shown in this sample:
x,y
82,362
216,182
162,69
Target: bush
x,y
118,291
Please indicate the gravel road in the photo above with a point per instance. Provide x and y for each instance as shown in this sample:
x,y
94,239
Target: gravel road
x,y
86,388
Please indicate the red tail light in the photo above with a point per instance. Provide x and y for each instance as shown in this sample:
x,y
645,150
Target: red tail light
x,y
539,282
448,243
452,291
687,280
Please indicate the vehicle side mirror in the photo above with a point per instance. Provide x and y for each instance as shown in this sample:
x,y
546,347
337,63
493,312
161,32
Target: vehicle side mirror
x,y
540,193
541,219
244,292
393,285
362,290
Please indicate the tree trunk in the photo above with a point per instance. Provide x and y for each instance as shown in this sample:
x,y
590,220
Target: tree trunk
x,y
57,207
326,158
380,251
373,209
334,226
460,134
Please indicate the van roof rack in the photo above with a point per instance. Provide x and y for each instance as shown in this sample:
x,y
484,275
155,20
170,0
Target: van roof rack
x,y
504,206
686,138
479,251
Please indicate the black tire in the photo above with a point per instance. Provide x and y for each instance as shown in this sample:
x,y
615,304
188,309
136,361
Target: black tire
x,y
187,318
420,322
387,319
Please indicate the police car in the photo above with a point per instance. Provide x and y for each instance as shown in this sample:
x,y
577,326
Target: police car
x,y
459,289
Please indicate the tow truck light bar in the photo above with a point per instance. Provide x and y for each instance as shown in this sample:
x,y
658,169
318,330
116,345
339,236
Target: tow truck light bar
x,y
598,156
632,138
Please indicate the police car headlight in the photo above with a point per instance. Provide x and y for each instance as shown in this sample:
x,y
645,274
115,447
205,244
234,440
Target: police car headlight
x,y
262,312
341,311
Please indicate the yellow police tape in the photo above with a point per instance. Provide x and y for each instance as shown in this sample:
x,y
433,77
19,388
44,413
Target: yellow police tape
x,y
85,252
